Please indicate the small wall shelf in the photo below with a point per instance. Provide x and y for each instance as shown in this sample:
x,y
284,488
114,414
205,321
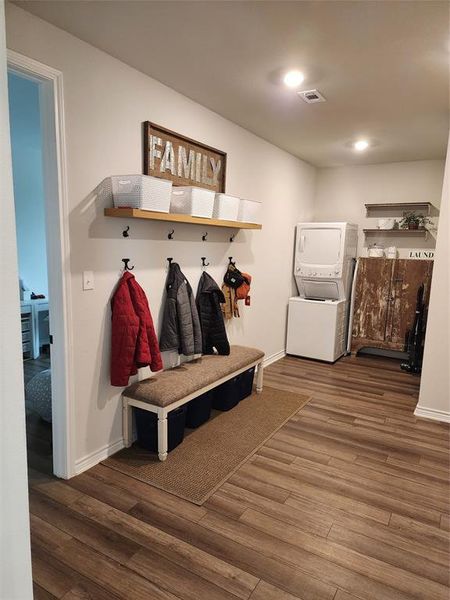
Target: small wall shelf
x,y
425,207
135,213
398,232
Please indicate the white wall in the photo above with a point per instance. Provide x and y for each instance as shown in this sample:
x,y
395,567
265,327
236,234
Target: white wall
x,y
342,192
434,399
15,560
105,104
26,145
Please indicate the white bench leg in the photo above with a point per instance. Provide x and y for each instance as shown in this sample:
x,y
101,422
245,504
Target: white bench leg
x,y
162,436
127,423
259,378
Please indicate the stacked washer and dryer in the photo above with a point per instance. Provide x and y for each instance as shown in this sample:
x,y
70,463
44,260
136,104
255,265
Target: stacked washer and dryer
x,y
324,262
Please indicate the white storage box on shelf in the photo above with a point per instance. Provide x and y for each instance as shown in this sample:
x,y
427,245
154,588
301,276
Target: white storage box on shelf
x,y
141,191
249,211
194,201
226,207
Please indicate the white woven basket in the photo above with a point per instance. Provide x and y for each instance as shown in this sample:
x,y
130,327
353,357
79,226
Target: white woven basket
x,y
249,211
226,207
194,201
141,191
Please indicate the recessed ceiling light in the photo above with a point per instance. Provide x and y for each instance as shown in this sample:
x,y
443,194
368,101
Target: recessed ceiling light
x,y
361,145
293,78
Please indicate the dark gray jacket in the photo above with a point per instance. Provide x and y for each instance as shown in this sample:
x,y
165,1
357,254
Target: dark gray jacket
x,y
209,298
181,326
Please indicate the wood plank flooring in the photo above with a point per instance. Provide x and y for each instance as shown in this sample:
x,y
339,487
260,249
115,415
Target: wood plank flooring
x,y
349,500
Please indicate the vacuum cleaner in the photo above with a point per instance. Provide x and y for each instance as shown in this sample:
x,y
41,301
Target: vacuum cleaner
x,y
415,337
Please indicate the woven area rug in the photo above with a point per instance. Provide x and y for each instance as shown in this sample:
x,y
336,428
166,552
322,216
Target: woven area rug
x,y
210,454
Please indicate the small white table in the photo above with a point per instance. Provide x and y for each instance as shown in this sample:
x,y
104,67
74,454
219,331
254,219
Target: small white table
x,y
34,308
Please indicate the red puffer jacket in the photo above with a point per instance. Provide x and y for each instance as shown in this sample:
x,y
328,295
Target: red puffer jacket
x,y
133,339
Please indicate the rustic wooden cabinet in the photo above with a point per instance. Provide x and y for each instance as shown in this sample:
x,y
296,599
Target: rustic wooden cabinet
x,y
385,301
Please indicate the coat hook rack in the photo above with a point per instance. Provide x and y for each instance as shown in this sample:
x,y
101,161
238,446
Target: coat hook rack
x,y
170,234
126,267
204,263
232,237
125,232
204,236
169,260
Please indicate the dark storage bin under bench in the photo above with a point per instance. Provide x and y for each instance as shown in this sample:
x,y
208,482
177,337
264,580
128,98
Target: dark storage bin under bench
x,y
199,409
205,381
147,428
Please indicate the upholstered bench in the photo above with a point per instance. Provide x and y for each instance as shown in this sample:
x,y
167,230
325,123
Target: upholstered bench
x,y
171,389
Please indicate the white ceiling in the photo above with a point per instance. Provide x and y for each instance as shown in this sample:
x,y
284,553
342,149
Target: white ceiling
x,y
382,66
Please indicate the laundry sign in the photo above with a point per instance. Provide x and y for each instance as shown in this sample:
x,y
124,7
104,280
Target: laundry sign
x,y
421,254
182,160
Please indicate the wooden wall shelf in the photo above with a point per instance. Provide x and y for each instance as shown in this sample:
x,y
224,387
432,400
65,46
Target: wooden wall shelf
x,y
401,206
135,213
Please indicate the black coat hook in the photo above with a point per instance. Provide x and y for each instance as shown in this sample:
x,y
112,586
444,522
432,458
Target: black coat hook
x,y
126,267
232,237
204,236
204,263
170,234
125,232
169,260
230,258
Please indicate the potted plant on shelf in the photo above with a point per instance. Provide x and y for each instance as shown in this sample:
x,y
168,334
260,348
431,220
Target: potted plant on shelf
x,y
413,220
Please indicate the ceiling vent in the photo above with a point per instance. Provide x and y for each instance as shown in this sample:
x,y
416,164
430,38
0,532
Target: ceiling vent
x,y
311,96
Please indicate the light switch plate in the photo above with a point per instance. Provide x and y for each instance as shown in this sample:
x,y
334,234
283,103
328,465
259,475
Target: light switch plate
x,y
88,280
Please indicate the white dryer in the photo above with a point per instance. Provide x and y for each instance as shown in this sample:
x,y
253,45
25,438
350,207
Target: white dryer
x,y
324,262
324,254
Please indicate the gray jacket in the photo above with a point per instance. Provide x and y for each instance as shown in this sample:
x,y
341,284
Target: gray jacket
x,y
181,326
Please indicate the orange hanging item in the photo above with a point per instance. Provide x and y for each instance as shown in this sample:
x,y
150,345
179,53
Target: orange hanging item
x,y
244,289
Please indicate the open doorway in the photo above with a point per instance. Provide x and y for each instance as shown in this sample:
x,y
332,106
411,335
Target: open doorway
x,y
29,203
42,225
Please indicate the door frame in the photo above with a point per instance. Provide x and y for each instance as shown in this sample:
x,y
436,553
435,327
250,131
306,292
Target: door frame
x,y
58,253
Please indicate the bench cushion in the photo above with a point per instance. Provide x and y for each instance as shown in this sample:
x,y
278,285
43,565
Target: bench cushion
x,y
174,384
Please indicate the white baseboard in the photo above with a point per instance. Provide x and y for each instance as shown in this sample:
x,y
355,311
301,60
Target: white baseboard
x,y
432,413
83,464
273,358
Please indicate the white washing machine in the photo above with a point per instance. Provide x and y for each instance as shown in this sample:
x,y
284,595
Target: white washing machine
x,y
317,328
324,259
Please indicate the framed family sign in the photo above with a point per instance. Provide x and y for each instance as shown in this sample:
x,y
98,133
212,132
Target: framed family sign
x,y
182,160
